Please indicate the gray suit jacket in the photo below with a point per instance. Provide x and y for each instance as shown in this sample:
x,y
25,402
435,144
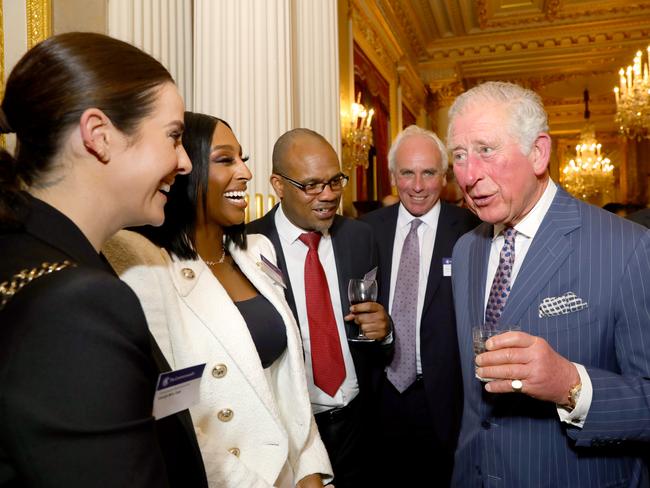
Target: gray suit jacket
x,y
515,441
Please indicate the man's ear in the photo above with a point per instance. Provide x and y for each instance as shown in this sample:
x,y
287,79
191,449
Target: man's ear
x,y
278,185
393,181
95,129
540,154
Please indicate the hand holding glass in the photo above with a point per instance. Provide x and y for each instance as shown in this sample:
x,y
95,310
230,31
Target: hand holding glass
x,y
481,333
359,291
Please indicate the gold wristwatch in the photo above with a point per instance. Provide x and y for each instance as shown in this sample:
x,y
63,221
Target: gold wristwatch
x,y
574,395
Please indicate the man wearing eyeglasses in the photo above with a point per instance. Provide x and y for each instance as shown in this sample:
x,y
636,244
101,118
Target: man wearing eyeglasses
x,y
318,252
421,393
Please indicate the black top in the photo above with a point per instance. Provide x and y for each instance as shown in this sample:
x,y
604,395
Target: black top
x,y
266,327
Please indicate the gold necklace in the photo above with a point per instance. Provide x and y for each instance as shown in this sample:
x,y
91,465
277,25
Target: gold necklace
x,y
221,259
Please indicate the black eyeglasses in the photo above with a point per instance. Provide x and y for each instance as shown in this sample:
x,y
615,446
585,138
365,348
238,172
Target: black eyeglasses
x,y
336,184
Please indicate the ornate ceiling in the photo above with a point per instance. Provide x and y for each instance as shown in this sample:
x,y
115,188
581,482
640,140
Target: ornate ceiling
x,y
557,47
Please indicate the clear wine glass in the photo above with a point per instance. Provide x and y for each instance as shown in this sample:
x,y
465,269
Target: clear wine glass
x,y
359,291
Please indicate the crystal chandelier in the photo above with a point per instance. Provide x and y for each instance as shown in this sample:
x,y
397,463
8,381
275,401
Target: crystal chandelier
x,y
357,136
589,175
633,98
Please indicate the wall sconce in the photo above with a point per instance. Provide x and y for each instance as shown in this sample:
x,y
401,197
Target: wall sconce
x,y
357,136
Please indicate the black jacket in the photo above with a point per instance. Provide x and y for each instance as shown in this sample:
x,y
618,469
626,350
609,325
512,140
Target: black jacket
x,y
77,372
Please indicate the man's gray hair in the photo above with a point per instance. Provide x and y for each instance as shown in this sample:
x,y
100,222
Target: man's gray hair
x,y
525,110
414,130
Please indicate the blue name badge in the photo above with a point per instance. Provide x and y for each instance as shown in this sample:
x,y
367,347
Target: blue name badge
x,y
177,390
446,266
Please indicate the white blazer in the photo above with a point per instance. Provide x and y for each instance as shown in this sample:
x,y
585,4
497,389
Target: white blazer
x,y
255,427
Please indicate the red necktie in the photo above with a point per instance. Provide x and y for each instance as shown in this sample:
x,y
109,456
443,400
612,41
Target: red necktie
x,y
326,354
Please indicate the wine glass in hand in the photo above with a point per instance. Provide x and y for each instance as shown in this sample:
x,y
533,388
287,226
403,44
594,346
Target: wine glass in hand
x,y
359,291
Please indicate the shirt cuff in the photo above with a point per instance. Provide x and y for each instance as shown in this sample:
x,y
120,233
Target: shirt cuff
x,y
578,415
389,338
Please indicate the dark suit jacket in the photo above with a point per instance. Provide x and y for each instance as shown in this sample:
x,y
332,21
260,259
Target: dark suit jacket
x,y
515,440
355,254
641,217
438,341
78,372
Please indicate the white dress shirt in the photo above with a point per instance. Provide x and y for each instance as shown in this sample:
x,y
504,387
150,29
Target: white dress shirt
x,y
426,239
526,230
295,252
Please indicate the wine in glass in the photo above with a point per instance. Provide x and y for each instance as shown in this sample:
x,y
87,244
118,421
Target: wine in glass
x,y
359,291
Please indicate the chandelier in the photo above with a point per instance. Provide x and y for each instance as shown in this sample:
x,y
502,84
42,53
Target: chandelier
x,y
589,175
633,98
357,136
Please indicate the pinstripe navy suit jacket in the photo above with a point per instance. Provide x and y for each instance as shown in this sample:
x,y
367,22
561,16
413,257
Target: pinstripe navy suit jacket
x,y
516,441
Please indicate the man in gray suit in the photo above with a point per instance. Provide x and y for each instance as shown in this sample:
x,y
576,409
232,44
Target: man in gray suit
x,y
570,401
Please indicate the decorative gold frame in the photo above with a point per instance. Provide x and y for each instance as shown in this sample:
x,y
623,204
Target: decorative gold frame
x,y
39,21
38,27
3,143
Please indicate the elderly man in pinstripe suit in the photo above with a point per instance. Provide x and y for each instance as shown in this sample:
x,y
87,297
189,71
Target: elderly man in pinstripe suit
x,y
570,401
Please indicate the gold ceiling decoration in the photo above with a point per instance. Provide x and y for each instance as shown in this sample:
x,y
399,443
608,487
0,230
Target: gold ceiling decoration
x,y
633,98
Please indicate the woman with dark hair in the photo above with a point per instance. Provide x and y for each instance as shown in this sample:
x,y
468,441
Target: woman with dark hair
x,y
98,125
212,295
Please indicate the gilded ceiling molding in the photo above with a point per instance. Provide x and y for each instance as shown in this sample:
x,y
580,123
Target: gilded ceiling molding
x,y
552,9
446,94
505,44
553,13
39,21
373,40
416,45
482,12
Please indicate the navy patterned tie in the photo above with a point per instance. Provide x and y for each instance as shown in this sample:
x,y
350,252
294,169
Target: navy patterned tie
x,y
502,280
402,370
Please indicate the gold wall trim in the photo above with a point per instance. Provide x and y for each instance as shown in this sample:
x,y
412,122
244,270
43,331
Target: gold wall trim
x,y
3,143
39,21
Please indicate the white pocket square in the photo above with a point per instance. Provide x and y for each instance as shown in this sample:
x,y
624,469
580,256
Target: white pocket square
x,y
567,303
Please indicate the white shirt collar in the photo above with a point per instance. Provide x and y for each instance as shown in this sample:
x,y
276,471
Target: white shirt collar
x,y
404,217
530,223
287,230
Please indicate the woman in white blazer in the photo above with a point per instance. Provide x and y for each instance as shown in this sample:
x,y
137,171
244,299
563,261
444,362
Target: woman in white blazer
x,y
209,298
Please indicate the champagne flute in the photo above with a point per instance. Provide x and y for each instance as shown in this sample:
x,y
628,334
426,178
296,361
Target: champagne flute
x,y
359,291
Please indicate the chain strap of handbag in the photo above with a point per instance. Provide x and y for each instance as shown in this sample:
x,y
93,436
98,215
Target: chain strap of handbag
x,y
12,286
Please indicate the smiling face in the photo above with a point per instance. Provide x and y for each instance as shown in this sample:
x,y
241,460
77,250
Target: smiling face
x,y
418,174
500,183
149,161
309,160
228,176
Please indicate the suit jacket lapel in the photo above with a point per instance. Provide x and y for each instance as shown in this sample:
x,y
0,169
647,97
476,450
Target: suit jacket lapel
x,y
343,258
549,249
225,323
271,232
444,240
246,260
479,256
386,243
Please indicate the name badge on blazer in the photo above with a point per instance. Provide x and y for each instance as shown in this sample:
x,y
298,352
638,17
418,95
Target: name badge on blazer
x,y
177,390
272,271
446,266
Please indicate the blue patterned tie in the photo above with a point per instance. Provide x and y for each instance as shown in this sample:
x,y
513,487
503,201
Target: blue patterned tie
x,y
502,280
402,371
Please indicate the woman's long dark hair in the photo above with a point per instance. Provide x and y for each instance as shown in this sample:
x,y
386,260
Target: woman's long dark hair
x,y
177,233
